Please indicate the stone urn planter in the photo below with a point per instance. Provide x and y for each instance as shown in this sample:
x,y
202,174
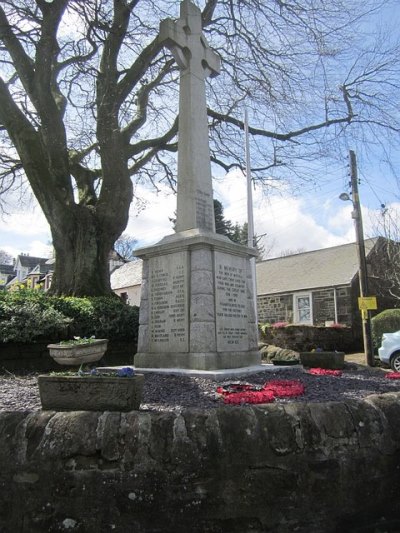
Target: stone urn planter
x,y
328,360
77,351
90,393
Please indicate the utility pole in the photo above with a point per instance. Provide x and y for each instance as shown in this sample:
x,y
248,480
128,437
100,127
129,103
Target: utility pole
x,y
362,272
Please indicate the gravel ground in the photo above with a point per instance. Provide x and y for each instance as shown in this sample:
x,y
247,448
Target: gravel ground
x,y
174,393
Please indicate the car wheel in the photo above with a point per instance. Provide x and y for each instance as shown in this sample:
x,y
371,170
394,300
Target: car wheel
x,y
395,362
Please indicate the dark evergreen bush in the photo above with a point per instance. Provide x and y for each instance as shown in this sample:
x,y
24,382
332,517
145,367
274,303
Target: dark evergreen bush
x,y
386,322
28,315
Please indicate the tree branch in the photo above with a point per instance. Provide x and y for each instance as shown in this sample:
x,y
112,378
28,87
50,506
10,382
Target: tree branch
x,y
274,135
159,142
142,101
138,69
23,64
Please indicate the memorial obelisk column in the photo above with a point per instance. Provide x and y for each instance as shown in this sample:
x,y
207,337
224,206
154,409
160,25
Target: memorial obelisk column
x,y
197,61
196,308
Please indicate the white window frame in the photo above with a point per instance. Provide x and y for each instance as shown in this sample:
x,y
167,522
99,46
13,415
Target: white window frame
x,y
296,298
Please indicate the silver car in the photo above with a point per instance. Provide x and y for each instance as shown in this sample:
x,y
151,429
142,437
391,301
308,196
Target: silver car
x,y
389,352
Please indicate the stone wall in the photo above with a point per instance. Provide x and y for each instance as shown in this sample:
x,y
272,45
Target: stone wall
x,y
323,306
310,468
35,357
276,308
305,338
345,298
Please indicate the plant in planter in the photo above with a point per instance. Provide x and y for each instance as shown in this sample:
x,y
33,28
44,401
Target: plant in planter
x,y
78,350
97,390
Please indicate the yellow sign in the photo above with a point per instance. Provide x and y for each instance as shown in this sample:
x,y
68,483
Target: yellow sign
x,y
367,302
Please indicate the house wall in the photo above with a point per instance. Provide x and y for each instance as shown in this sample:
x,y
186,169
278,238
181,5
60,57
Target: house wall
x,y
323,306
345,307
276,308
133,294
279,307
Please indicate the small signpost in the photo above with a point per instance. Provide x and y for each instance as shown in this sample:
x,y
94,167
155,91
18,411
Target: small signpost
x,y
365,304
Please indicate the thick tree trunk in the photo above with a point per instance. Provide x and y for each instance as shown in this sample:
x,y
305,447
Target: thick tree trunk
x,y
82,246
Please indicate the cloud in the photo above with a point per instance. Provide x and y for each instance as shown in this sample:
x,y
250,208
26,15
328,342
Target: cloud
x,y
34,248
25,231
27,222
152,222
288,222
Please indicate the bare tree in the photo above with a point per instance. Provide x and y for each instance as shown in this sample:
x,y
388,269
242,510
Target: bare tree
x,y
125,246
291,251
5,258
88,104
386,274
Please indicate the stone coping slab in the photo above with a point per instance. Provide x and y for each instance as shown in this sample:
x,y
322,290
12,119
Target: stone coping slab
x,y
192,238
211,374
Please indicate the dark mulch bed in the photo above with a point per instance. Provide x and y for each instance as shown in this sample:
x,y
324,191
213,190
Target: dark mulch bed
x,y
174,393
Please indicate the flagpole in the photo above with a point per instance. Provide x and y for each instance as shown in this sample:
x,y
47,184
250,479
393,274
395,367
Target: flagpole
x,y
250,217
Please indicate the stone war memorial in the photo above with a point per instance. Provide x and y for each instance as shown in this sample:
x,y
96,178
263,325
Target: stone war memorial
x,y
197,302
309,467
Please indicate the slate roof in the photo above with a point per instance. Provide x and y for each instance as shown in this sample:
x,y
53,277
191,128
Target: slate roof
x,y
329,267
31,262
127,275
7,269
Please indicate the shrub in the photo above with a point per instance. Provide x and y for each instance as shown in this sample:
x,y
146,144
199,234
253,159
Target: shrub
x,y
113,319
274,353
386,322
30,321
29,315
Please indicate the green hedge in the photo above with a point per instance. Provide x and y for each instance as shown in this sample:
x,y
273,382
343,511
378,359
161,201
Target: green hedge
x,y
386,322
28,315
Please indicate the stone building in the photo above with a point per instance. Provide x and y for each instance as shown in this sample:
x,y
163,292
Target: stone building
x,y
320,287
126,282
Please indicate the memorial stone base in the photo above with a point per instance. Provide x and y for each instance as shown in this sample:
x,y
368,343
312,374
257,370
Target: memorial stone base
x,y
196,309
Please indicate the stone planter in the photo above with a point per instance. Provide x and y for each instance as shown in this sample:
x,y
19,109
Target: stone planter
x,y
283,362
90,393
328,360
77,354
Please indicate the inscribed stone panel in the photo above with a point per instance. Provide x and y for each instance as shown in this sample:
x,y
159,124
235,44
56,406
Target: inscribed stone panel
x,y
231,302
168,303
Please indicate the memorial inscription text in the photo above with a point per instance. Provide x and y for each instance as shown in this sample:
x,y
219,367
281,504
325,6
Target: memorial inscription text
x,y
168,303
231,300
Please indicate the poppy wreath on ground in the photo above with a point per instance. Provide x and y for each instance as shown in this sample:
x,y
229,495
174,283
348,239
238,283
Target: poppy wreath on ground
x,y
325,372
240,393
393,375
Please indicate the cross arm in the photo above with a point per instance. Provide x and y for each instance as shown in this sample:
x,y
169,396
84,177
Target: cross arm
x,y
211,59
173,37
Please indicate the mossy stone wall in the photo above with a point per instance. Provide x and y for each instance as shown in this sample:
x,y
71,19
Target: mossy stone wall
x,y
275,468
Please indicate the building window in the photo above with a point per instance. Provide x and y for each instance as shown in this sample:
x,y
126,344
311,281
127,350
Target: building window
x,y
303,308
124,297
